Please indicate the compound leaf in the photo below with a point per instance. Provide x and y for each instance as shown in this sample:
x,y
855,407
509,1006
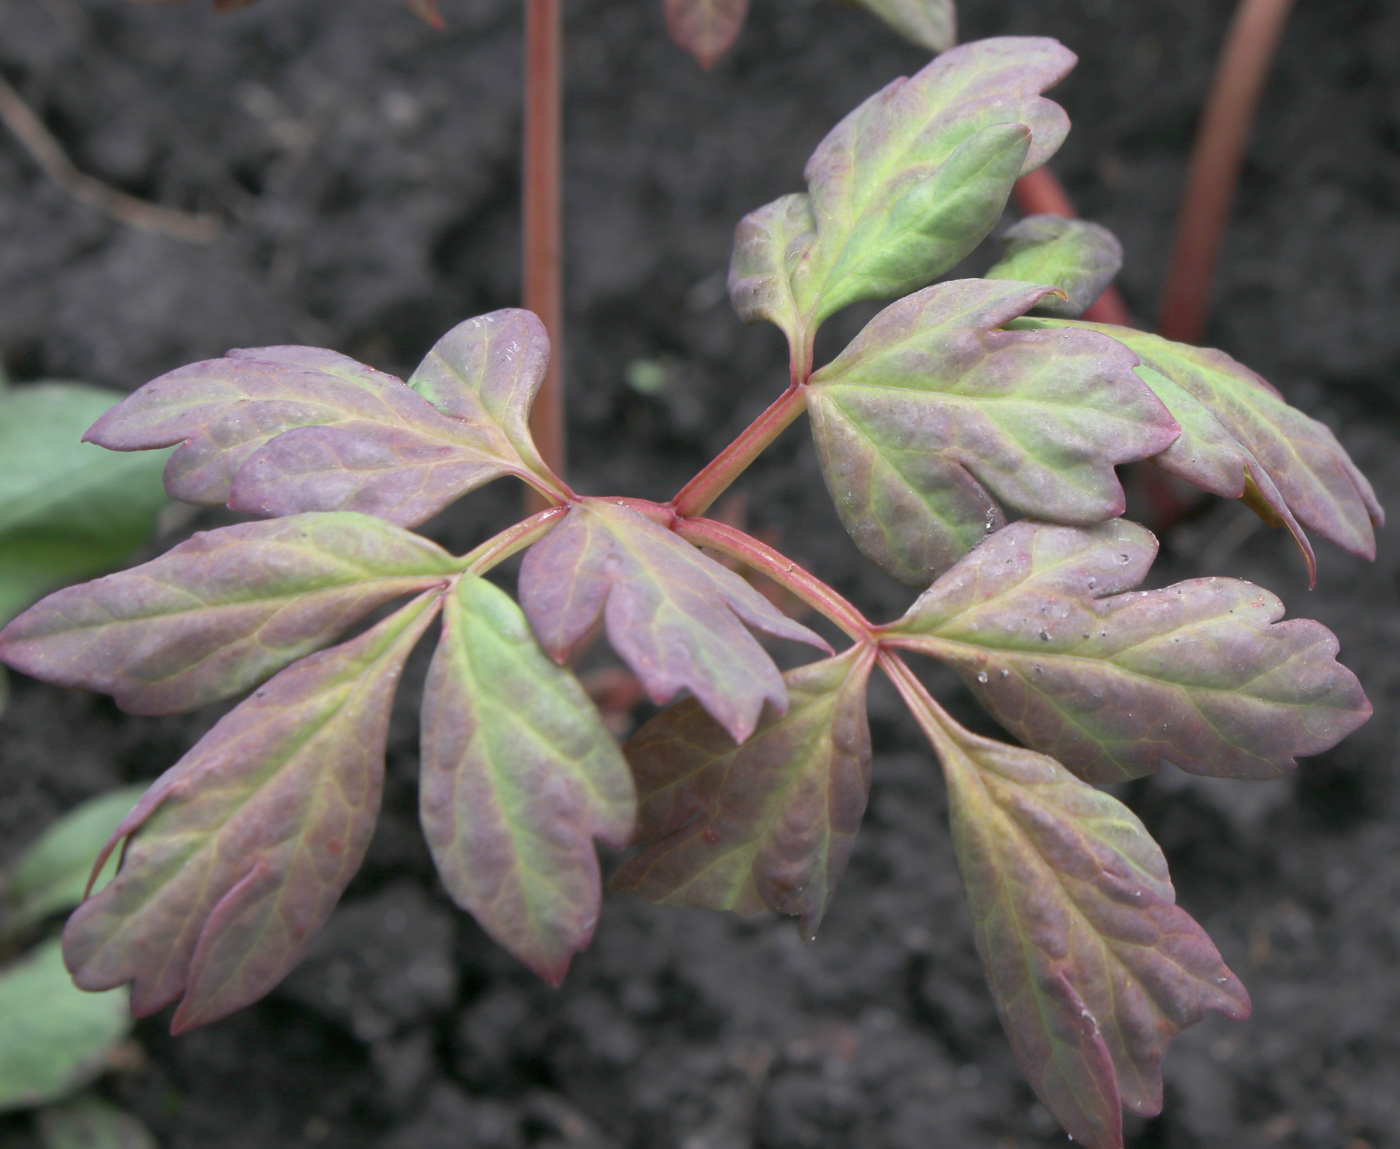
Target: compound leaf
x,y
1093,967
1201,674
221,611
766,824
675,616
54,1038
931,24
706,29
54,872
519,776
1241,440
914,178
67,509
239,852
1075,256
282,430
931,416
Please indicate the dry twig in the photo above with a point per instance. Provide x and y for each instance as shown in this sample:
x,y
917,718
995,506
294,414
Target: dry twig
x,y
48,153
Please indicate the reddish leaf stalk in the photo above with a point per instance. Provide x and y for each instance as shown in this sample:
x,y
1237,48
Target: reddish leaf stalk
x,y
1215,165
697,495
782,570
512,540
543,228
1040,193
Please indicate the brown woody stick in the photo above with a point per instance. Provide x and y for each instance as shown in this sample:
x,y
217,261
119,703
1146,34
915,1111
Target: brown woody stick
x,y
1215,165
48,153
542,272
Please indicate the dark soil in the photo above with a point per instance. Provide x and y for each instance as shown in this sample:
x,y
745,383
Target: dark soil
x,y
369,166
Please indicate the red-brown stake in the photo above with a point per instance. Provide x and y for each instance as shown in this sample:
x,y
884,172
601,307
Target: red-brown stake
x,y
543,228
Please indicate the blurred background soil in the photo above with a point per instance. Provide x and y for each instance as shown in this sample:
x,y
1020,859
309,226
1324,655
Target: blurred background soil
x,y
369,170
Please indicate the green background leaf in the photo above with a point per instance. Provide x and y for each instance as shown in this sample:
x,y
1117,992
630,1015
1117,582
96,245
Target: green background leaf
x,y
54,1037
88,1122
68,509
52,874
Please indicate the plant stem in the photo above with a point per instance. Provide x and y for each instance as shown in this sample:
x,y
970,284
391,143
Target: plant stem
x,y
697,495
498,548
542,276
782,570
1215,165
1040,193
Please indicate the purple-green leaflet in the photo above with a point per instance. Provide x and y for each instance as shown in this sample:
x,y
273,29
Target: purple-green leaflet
x,y
1093,967
1042,624
947,415
766,824
675,616
932,418
238,854
280,430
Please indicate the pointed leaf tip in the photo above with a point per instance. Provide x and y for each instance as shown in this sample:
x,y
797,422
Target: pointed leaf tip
x,y
237,855
1093,967
1042,624
676,617
931,24
519,776
768,824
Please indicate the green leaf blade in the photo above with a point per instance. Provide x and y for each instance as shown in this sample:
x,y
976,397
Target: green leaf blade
x,y
1093,967
54,872
285,430
932,418
67,509
768,824
54,1038
519,776
880,230
1042,624
237,855
486,372
221,611
676,617
1075,256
